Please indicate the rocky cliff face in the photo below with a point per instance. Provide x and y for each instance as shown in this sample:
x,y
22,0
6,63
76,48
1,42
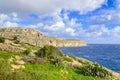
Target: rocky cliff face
x,y
33,37
64,42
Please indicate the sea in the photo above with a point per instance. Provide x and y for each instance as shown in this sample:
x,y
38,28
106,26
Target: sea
x,y
107,55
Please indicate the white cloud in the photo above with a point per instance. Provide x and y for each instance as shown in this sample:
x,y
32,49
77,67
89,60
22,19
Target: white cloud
x,y
117,29
8,20
3,17
12,11
10,24
116,32
101,34
71,31
110,15
14,16
48,6
55,27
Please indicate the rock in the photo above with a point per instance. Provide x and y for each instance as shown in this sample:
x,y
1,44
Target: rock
x,y
33,37
17,57
26,35
39,60
74,64
11,59
20,62
26,58
59,42
32,54
8,47
17,66
36,60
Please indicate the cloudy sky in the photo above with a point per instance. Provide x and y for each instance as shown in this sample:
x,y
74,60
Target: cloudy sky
x,y
95,21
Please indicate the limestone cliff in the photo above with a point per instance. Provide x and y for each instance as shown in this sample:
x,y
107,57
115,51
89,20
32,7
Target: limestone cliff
x,y
64,42
33,37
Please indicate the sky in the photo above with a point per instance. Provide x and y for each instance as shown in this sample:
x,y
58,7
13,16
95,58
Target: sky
x,y
94,21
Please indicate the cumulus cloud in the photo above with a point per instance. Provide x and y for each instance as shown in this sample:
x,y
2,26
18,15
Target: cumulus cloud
x,y
107,16
71,31
51,22
56,27
8,20
47,6
101,34
10,24
3,17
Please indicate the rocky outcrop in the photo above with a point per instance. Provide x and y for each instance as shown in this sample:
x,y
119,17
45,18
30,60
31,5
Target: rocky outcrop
x,y
19,62
8,47
33,37
26,35
59,42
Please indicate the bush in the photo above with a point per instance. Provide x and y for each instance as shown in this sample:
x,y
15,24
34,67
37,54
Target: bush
x,y
27,51
15,38
55,61
69,59
93,69
16,41
48,51
51,54
83,61
2,40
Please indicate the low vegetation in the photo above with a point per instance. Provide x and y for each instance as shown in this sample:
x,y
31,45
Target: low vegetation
x,y
48,51
50,54
27,51
93,69
6,73
49,64
2,40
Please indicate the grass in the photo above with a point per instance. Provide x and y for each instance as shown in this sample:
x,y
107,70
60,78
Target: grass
x,y
7,55
48,71
69,59
51,72
7,74
28,46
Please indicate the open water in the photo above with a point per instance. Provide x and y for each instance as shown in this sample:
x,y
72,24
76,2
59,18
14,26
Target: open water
x,y
107,55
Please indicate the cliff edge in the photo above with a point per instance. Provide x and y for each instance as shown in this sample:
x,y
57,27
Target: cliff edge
x,y
33,37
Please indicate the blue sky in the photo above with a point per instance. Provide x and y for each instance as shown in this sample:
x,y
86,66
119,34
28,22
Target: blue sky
x,y
95,21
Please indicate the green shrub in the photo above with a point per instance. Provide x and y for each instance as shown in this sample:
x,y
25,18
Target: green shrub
x,y
2,40
48,51
93,69
51,54
27,51
83,61
72,56
69,59
15,38
16,41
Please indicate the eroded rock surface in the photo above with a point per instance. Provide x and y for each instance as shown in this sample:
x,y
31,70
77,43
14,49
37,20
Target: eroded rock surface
x,y
33,37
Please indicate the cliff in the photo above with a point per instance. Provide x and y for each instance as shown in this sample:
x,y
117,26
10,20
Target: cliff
x,y
33,37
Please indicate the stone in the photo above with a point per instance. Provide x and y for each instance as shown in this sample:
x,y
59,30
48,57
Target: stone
x,y
17,66
35,38
20,62
8,47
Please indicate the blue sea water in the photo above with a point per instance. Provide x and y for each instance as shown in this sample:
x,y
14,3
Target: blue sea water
x,y
107,55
